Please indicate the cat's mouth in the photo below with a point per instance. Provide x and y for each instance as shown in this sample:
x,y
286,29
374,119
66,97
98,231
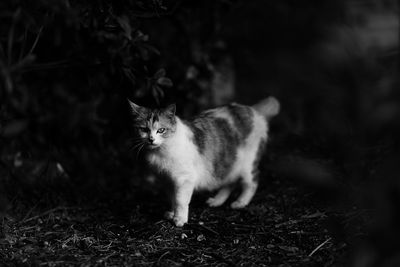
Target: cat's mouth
x,y
152,145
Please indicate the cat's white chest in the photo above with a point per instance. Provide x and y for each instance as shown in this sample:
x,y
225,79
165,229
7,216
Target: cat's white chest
x,y
174,158
181,163
180,159
160,161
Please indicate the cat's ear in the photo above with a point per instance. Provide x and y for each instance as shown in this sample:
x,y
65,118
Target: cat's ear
x,y
170,110
136,109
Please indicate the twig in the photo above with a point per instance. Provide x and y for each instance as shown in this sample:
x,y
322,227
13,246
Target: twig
x,y
222,259
22,50
2,53
245,225
48,263
11,36
157,14
107,257
290,222
36,40
49,65
207,229
162,256
320,246
29,212
45,213
210,230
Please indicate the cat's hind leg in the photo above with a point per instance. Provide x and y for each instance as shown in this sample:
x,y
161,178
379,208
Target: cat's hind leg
x,y
249,184
249,174
220,197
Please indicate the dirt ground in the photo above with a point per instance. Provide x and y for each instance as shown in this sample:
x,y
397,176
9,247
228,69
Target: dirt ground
x,y
285,225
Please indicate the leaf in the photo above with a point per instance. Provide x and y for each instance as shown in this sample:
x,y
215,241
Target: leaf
x,y
14,128
149,48
140,37
201,238
164,81
124,22
144,53
158,93
160,73
129,74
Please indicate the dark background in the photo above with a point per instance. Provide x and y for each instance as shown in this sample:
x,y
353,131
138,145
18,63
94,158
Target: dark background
x,y
67,67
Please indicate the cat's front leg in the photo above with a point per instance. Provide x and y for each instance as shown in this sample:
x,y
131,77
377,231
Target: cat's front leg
x,y
183,195
170,193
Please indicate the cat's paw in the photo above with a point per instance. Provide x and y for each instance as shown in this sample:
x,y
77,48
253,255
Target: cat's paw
x,y
238,204
169,215
179,221
214,202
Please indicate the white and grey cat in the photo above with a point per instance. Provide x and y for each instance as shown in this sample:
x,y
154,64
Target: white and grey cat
x,y
214,151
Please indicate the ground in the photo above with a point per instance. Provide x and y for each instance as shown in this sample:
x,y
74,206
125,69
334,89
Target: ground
x,y
285,225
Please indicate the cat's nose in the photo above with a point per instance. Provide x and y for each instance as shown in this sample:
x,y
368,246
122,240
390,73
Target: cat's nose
x,y
151,139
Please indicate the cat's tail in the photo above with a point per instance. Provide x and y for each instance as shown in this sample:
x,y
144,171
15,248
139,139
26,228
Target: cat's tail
x,y
268,107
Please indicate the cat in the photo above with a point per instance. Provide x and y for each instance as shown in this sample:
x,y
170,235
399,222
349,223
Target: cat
x,y
215,150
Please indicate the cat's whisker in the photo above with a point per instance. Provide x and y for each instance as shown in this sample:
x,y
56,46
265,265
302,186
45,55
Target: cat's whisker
x,y
135,146
140,148
139,141
136,140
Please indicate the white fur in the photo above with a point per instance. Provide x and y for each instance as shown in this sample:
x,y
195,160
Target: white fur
x,y
189,170
243,167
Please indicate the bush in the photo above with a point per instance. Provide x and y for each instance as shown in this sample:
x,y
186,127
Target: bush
x,y
66,69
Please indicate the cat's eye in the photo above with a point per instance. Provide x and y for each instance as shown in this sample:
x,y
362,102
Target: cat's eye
x,y
143,129
161,130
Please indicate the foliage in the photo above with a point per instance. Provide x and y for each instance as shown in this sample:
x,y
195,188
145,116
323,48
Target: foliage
x,y
65,68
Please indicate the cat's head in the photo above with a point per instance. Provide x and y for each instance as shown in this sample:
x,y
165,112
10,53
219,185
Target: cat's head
x,y
154,126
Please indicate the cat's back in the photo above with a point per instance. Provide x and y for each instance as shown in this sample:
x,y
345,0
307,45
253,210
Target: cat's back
x,y
220,134
231,123
236,117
